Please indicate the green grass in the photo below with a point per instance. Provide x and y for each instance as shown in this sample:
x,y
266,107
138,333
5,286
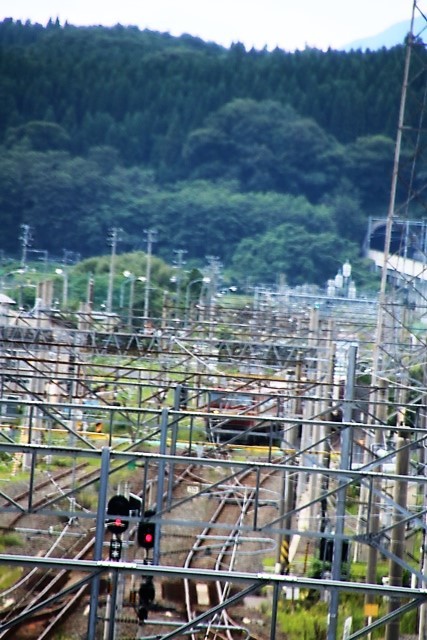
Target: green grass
x,y
308,622
307,619
9,576
10,539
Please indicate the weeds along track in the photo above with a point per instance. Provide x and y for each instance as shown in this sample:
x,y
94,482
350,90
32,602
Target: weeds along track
x,y
46,492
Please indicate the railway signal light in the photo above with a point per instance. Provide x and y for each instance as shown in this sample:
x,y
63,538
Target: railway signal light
x,y
142,613
183,396
147,531
115,549
146,595
118,507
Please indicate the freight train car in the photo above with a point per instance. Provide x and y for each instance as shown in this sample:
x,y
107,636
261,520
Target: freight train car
x,y
237,417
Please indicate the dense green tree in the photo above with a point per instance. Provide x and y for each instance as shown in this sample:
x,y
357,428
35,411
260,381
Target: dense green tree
x,y
369,166
266,147
348,216
122,71
12,202
292,250
249,156
38,136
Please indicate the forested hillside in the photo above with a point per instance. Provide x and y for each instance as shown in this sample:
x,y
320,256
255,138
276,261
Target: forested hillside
x,y
271,161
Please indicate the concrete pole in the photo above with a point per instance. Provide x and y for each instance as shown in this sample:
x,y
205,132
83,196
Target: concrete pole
x,y
274,610
131,301
314,342
151,237
327,446
25,241
161,480
299,429
99,540
287,504
345,463
114,239
422,631
375,506
397,543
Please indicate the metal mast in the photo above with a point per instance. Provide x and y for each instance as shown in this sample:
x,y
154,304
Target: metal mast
x,y
407,192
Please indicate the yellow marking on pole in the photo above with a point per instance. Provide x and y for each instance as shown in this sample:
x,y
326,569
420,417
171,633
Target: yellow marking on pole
x,y
284,554
371,610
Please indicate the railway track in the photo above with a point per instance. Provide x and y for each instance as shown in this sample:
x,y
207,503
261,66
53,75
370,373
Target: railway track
x,y
43,624
233,509
218,545
72,540
27,596
47,491
36,586
231,502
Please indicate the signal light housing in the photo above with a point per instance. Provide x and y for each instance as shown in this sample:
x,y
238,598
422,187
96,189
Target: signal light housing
x,y
146,592
118,507
146,595
146,534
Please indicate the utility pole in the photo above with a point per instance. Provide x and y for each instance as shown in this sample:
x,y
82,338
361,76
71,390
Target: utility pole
x,y
151,237
178,266
214,272
25,239
376,408
112,240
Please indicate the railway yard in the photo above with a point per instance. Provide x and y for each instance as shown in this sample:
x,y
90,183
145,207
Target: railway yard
x,y
207,478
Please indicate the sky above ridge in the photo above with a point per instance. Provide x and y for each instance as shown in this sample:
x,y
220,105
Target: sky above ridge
x,y
288,24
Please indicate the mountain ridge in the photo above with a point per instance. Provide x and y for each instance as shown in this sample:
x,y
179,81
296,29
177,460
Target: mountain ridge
x,y
390,37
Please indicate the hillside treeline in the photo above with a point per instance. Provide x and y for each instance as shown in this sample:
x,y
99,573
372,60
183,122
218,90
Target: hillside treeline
x,y
271,161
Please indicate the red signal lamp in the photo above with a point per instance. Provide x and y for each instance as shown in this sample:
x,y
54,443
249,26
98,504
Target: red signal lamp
x,y
146,534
